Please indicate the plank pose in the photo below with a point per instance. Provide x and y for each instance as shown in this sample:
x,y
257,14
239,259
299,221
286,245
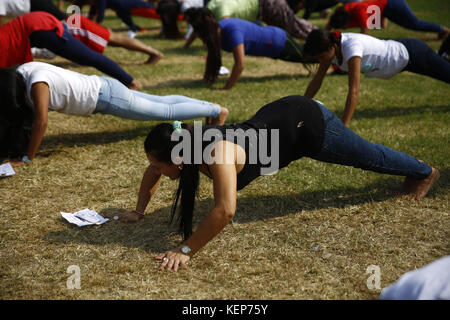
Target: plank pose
x,y
359,53
304,128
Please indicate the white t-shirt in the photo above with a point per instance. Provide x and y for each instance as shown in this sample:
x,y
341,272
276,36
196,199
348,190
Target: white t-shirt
x,y
187,4
379,58
14,7
431,282
70,92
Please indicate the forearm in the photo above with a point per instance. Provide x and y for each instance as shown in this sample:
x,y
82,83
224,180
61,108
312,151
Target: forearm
x,y
234,77
312,89
350,106
212,225
149,184
37,134
189,40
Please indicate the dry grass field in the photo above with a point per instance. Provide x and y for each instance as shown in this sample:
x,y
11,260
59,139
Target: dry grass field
x,y
309,232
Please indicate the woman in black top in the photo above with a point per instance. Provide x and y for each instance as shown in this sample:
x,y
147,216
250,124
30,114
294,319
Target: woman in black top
x,y
287,129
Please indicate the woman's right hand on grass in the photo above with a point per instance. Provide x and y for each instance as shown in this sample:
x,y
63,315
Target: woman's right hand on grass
x,y
131,216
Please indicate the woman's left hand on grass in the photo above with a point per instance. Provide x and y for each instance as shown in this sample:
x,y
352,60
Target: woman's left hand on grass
x,y
172,260
17,163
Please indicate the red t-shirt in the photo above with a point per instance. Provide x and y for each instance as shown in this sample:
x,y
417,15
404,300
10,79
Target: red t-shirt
x,y
14,41
359,13
90,33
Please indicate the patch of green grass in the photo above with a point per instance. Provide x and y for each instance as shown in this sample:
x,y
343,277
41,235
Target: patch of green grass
x,y
351,217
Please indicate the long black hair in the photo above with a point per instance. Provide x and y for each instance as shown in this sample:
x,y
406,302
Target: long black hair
x,y
159,144
16,115
169,11
206,27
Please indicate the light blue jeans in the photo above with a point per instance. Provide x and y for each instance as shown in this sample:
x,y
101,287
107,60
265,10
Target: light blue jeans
x,y
116,99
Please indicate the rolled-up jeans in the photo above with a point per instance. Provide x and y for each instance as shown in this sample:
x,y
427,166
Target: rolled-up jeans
x,y
343,146
116,99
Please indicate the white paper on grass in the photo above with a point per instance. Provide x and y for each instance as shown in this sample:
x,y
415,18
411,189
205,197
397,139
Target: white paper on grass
x,y
84,217
6,170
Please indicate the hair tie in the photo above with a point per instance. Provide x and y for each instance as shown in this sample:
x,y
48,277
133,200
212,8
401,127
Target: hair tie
x,y
176,125
337,34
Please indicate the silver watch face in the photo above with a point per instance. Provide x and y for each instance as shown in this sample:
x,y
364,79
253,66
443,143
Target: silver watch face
x,y
185,249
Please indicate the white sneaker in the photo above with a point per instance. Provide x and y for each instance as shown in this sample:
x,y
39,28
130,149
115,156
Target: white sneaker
x,y
131,34
42,53
223,71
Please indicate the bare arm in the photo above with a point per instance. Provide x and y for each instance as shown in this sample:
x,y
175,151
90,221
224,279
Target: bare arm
x,y
40,94
149,184
224,183
316,82
354,69
189,40
238,67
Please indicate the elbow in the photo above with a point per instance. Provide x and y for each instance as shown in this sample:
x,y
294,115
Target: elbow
x,y
226,214
42,124
354,92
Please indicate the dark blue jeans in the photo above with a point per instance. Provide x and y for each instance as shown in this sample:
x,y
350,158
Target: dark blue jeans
x,y
423,60
72,49
343,146
400,13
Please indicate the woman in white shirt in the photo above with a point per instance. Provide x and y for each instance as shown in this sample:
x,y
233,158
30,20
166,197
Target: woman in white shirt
x,y
52,88
359,53
15,8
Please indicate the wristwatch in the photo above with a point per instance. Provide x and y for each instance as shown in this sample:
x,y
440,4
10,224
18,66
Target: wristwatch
x,y
186,250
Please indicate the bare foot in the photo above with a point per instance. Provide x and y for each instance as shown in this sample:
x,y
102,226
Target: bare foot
x,y
408,185
443,34
419,188
220,120
154,58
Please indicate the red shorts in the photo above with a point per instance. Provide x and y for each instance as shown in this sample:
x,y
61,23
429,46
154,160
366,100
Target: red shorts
x,y
90,33
149,13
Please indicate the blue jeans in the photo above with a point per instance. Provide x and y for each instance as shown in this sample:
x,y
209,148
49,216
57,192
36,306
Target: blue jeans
x,y
72,49
400,13
423,60
343,146
117,100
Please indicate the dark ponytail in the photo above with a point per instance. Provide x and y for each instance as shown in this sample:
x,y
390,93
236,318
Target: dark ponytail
x,y
169,11
206,27
158,143
319,41
340,18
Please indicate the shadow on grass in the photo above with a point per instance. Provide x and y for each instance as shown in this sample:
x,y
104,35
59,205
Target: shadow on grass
x,y
191,84
396,111
153,234
93,138
193,50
